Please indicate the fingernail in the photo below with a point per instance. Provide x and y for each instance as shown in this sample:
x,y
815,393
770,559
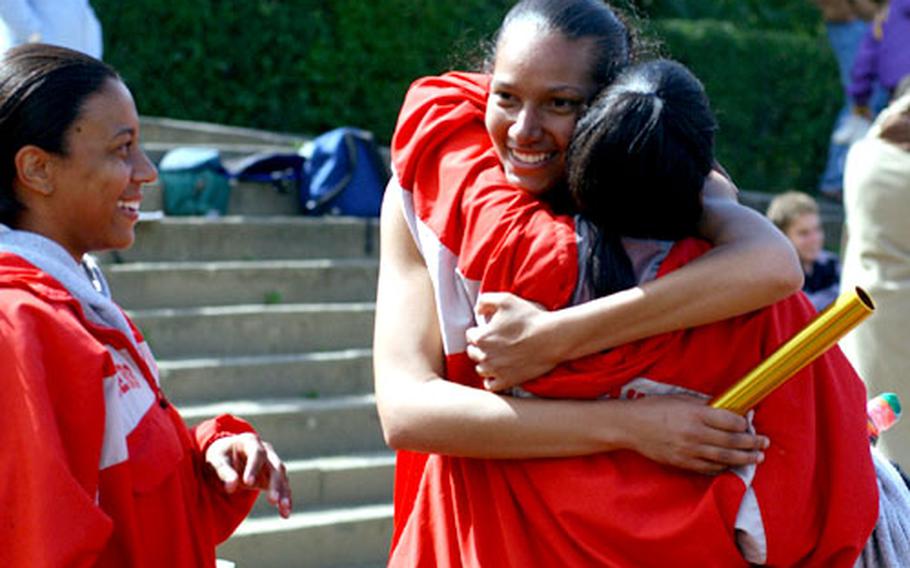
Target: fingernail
x,y
760,458
488,384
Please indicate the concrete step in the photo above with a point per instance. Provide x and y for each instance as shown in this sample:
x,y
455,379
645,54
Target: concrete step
x,y
152,200
249,238
144,285
185,333
305,428
304,375
247,198
254,198
175,131
350,480
228,150
333,538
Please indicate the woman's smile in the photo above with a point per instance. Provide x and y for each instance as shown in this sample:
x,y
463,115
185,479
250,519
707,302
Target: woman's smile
x,y
130,207
531,158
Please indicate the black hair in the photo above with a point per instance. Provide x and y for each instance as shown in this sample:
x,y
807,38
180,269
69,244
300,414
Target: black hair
x,y
638,161
614,41
42,91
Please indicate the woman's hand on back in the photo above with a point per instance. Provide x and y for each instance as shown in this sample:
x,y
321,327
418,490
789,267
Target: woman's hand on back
x,y
514,344
684,432
517,344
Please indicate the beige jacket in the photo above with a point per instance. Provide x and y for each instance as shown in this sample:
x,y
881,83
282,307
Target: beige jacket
x,y
877,258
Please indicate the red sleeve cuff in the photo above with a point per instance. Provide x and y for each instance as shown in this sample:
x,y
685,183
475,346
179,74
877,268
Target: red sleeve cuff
x,y
219,427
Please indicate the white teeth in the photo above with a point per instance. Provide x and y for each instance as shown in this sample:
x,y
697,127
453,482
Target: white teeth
x,y
534,158
129,205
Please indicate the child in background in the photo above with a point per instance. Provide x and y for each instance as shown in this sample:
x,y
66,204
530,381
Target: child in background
x,y
796,214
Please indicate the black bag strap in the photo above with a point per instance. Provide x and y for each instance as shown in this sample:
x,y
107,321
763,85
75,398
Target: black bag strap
x,y
283,179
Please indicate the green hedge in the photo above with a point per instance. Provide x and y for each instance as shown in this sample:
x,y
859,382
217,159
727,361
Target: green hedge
x,y
306,66
800,16
775,95
289,65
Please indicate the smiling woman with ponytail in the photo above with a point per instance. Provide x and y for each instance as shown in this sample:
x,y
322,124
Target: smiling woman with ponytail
x,y
98,467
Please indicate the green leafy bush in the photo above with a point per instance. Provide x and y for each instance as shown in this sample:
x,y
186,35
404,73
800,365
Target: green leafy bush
x,y
775,96
290,65
800,16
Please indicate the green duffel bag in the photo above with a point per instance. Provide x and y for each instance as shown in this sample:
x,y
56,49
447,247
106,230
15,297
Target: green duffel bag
x,y
194,182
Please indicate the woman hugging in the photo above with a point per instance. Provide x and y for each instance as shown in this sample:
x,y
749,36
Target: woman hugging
x,y
602,460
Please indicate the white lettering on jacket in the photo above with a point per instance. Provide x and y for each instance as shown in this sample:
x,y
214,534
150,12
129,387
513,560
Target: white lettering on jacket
x,y
127,398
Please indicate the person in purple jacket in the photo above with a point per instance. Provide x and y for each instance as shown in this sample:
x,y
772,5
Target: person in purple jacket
x,y
883,56
846,23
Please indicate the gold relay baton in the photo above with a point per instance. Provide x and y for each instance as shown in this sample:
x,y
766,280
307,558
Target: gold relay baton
x,y
828,327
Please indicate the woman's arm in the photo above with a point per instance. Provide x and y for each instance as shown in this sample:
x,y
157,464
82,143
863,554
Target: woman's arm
x,y
421,411
752,265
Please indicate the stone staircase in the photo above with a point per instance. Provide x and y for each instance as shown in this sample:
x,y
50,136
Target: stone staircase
x,y
268,315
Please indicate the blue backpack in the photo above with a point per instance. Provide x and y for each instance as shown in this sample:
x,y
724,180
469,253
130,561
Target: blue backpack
x,y
345,175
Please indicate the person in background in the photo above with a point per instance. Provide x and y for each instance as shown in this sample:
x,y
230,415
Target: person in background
x,y
797,215
877,258
883,58
846,22
98,467
67,23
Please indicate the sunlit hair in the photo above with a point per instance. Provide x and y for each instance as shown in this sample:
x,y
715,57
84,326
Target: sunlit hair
x,y
42,91
638,161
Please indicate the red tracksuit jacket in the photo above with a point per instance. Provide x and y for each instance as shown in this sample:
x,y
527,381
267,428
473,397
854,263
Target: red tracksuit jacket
x,y
97,469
